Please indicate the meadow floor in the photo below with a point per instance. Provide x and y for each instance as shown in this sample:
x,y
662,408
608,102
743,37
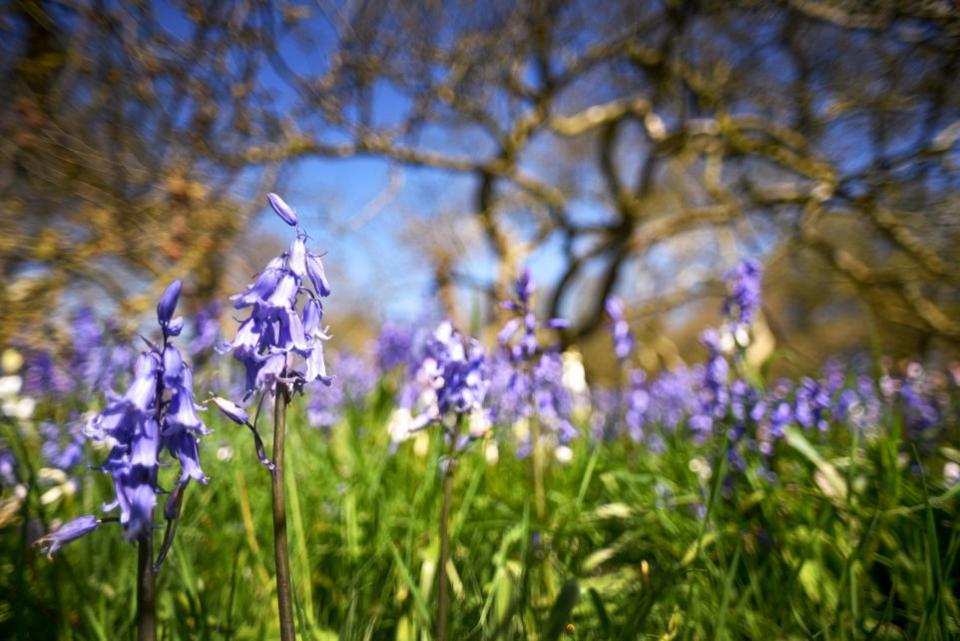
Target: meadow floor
x,y
850,541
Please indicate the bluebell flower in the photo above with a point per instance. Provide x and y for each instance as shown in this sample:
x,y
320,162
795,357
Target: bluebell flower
x,y
526,377
157,413
57,453
620,329
43,376
394,347
283,209
451,381
70,531
745,292
276,344
356,378
206,329
8,466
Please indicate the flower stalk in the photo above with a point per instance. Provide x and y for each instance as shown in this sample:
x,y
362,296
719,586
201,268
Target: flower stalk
x,y
443,592
146,590
280,547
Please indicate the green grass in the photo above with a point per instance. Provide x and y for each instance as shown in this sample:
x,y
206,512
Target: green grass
x,y
848,544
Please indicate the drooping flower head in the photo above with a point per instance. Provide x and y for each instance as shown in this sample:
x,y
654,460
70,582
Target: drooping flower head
x,y
620,329
527,378
277,343
745,285
451,381
157,414
519,334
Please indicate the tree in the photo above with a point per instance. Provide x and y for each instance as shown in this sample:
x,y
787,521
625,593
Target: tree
x,y
649,143
653,139
109,176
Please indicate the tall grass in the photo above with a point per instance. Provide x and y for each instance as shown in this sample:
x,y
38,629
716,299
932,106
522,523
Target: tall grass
x,y
850,542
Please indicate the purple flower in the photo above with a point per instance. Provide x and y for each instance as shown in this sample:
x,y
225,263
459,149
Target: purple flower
x,y
394,347
356,378
43,376
745,292
451,380
168,303
519,334
156,413
206,326
283,209
8,467
231,410
276,334
622,336
69,531
63,456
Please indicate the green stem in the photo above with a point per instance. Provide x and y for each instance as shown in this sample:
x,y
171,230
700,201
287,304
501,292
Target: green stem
x,y
536,459
146,590
443,594
281,553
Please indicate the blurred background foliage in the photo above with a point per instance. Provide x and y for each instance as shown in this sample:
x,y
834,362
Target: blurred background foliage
x,y
637,147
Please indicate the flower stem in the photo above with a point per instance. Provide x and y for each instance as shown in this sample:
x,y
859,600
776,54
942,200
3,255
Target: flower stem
x,y
443,593
146,590
536,459
282,555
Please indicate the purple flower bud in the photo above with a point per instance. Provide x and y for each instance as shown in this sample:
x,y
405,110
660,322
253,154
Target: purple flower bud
x,y
70,531
283,209
168,302
231,410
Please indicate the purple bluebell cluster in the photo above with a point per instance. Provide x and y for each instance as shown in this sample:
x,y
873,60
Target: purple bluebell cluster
x,y
619,328
745,282
206,329
451,382
62,448
355,380
91,361
275,335
527,378
714,399
156,413
395,347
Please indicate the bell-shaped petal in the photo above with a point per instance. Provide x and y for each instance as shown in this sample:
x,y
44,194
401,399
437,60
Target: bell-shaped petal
x,y
184,447
172,366
70,531
143,391
297,260
318,275
259,291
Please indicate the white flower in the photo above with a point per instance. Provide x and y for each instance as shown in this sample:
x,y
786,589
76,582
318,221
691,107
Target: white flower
x,y
563,454
492,452
10,386
701,468
951,472
399,425
574,375
479,423
21,408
